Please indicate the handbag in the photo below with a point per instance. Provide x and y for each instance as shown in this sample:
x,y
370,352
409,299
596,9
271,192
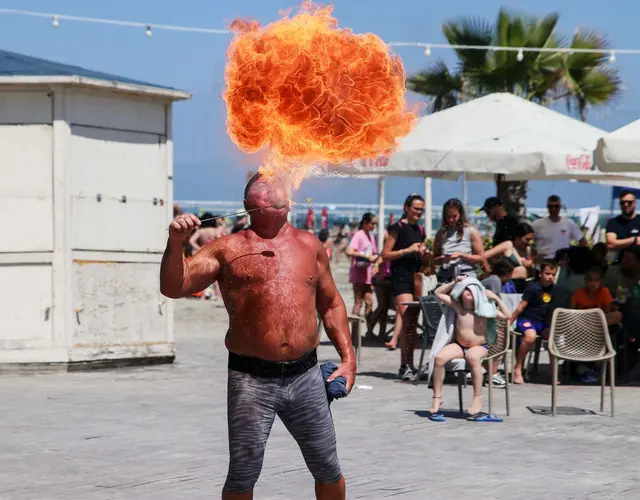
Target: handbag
x,y
362,262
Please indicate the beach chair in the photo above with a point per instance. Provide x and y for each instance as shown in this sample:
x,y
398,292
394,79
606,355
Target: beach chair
x,y
581,336
431,314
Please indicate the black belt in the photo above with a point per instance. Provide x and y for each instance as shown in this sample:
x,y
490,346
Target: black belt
x,y
272,369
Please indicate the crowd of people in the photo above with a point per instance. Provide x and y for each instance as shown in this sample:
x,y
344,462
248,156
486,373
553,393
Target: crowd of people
x,y
549,262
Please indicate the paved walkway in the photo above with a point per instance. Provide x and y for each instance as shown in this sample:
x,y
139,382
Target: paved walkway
x,y
159,433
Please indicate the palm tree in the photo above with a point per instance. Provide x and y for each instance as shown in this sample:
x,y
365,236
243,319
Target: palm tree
x,y
579,79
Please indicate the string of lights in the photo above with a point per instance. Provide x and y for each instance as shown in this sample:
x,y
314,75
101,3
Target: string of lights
x,y
428,47
149,27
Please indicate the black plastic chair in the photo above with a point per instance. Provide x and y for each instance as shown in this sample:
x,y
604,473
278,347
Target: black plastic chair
x,y
431,314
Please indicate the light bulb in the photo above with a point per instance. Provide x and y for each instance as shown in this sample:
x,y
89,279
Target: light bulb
x,y
520,55
56,22
612,57
427,51
148,32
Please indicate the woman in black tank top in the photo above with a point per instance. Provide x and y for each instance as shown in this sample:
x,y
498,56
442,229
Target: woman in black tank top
x,y
406,250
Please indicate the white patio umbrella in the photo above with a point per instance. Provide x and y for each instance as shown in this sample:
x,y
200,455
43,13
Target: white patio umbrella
x,y
496,134
619,151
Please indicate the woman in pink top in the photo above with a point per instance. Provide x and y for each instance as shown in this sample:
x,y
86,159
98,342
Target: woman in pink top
x,y
363,252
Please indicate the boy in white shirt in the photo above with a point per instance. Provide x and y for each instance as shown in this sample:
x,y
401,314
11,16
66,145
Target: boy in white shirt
x,y
554,232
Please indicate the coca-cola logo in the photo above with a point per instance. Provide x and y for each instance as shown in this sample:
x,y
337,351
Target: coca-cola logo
x,y
380,161
579,162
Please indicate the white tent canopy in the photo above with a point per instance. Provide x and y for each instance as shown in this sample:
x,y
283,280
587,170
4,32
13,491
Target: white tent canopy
x,y
496,134
619,151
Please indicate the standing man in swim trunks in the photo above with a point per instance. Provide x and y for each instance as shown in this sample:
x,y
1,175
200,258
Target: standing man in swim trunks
x,y
273,278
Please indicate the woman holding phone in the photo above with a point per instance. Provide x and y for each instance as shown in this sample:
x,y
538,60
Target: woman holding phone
x,y
458,245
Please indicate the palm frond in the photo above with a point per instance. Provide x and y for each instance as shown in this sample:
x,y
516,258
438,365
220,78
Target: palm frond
x,y
469,31
541,32
439,83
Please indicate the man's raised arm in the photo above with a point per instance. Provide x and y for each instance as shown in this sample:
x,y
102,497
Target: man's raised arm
x,y
333,313
179,278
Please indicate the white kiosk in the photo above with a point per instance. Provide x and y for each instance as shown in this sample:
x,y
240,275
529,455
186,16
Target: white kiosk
x,y
86,195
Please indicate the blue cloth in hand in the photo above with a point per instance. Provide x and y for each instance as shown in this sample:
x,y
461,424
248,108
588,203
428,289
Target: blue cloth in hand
x,y
337,388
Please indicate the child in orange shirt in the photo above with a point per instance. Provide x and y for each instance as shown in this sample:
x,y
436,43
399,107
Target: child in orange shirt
x,y
594,296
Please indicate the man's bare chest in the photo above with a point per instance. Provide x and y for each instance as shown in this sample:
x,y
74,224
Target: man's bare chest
x,y
266,263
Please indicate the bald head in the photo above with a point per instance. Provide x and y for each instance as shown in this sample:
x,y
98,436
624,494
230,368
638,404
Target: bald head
x,y
265,191
254,178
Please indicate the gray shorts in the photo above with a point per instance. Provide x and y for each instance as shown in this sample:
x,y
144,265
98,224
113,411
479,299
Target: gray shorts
x,y
301,403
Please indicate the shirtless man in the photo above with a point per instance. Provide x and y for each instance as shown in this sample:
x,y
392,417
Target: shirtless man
x,y
273,279
470,341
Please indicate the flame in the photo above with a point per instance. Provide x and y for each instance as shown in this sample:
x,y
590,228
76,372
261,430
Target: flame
x,y
312,93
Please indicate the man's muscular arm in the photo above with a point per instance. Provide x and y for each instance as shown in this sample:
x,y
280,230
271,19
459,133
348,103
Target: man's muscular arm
x,y
179,278
333,312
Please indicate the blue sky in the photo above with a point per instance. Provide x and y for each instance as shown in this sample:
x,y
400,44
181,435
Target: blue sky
x,y
208,166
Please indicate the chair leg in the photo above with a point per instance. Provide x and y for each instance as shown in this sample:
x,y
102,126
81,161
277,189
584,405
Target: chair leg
x,y
513,355
423,349
507,394
554,383
461,379
490,378
603,382
612,381
536,359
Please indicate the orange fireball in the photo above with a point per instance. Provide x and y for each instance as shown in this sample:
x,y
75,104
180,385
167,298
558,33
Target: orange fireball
x,y
310,92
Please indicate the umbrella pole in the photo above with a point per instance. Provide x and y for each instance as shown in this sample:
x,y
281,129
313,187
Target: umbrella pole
x,y
381,221
428,202
465,193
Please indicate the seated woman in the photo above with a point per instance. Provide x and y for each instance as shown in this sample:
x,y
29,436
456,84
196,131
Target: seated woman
x,y
519,252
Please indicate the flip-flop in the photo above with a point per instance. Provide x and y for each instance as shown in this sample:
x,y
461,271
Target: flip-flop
x,y
437,417
484,417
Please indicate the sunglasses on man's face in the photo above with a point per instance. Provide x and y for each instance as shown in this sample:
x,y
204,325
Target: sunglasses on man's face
x,y
553,206
624,203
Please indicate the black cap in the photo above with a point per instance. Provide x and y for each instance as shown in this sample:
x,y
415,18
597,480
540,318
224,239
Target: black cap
x,y
491,203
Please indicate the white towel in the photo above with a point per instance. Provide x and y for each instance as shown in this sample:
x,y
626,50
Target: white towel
x,y
446,328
